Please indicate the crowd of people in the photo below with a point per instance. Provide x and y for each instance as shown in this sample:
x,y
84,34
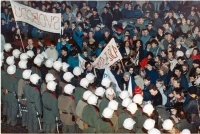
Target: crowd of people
x,y
159,43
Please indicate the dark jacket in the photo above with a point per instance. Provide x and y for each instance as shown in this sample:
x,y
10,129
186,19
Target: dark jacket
x,y
157,99
184,82
94,20
117,15
107,19
153,75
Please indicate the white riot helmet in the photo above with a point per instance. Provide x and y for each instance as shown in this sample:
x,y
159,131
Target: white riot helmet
x,y
132,107
30,53
149,124
10,60
92,99
16,53
44,55
108,113
24,56
38,61
110,91
68,76
86,94
49,63
148,109
34,78
138,98
113,104
68,89
65,66
185,131
84,82
49,77
100,91
154,131
106,82
124,94
26,74
7,47
168,124
129,123
22,64
11,69
77,71
126,102
51,85
90,77
57,65
41,56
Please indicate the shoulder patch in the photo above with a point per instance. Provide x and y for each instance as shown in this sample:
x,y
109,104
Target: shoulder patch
x,y
97,110
111,124
53,95
36,89
117,114
15,76
72,97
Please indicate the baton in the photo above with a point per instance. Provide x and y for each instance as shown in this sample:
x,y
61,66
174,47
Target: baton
x,y
39,122
57,124
20,110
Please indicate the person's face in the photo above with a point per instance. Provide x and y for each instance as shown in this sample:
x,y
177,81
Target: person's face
x,y
52,46
134,37
181,16
110,97
149,67
79,28
198,71
180,61
155,15
195,65
105,10
146,82
149,27
3,4
53,10
141,20
138,44
152,92
131,70
94,12
161,72
2,22
116,7
67,10
170,56
188,21
65,25
153,45
146,33
73,25
125,38
175,83
127,44
192,13
163,54
129,6
192,79
63,40
30,42
43,7
173,111
158,85
126,78
176,95
6,11
194,52
106,34
64,53
170,14
89,67
156,59
184,68
85,54
160,31
178,73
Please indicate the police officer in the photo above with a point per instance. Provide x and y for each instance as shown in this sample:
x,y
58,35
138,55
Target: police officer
x,y
21,97
67,106
91,114
100,93
36,66
10,83
80,90
123,95
48,77
50,108
79,110
67,77
77,76
90,77
34,107
114,106
128,125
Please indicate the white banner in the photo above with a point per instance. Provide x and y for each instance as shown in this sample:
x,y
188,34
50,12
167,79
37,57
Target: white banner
x,y
108,73
50,22
108,56
81,63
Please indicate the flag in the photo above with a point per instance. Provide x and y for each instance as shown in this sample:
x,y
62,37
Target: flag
x,y
130,87
108,73
81,63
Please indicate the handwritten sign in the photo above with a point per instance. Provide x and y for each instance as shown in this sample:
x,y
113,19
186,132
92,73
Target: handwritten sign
x,y
50,22
108,56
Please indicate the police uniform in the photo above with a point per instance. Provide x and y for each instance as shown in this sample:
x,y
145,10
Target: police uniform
x,y
35,70
90,116
55,74
78,93
62,84
3,96
123,130
21,85
104,126
114,121
103,104
79,110
50,111
10,83
92,87
183,124
43,87
76,81
18,73
66,105
33,97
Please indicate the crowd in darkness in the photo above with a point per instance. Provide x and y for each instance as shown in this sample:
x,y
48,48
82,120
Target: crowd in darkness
x,y
160,46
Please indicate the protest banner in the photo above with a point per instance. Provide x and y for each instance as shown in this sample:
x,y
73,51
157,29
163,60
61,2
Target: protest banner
x,y
81,63
50,22
108,74
108,56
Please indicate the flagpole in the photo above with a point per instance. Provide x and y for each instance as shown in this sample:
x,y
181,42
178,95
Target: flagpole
x,y
20,35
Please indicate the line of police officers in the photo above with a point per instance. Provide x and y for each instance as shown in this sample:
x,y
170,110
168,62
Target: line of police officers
x,y
84,108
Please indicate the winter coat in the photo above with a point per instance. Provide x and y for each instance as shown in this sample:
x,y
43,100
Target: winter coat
x,y
78,37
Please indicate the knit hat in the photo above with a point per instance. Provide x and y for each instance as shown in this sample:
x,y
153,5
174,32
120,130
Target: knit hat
x,y
95,9
120,30
196,61
138,90
127,73
151,63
